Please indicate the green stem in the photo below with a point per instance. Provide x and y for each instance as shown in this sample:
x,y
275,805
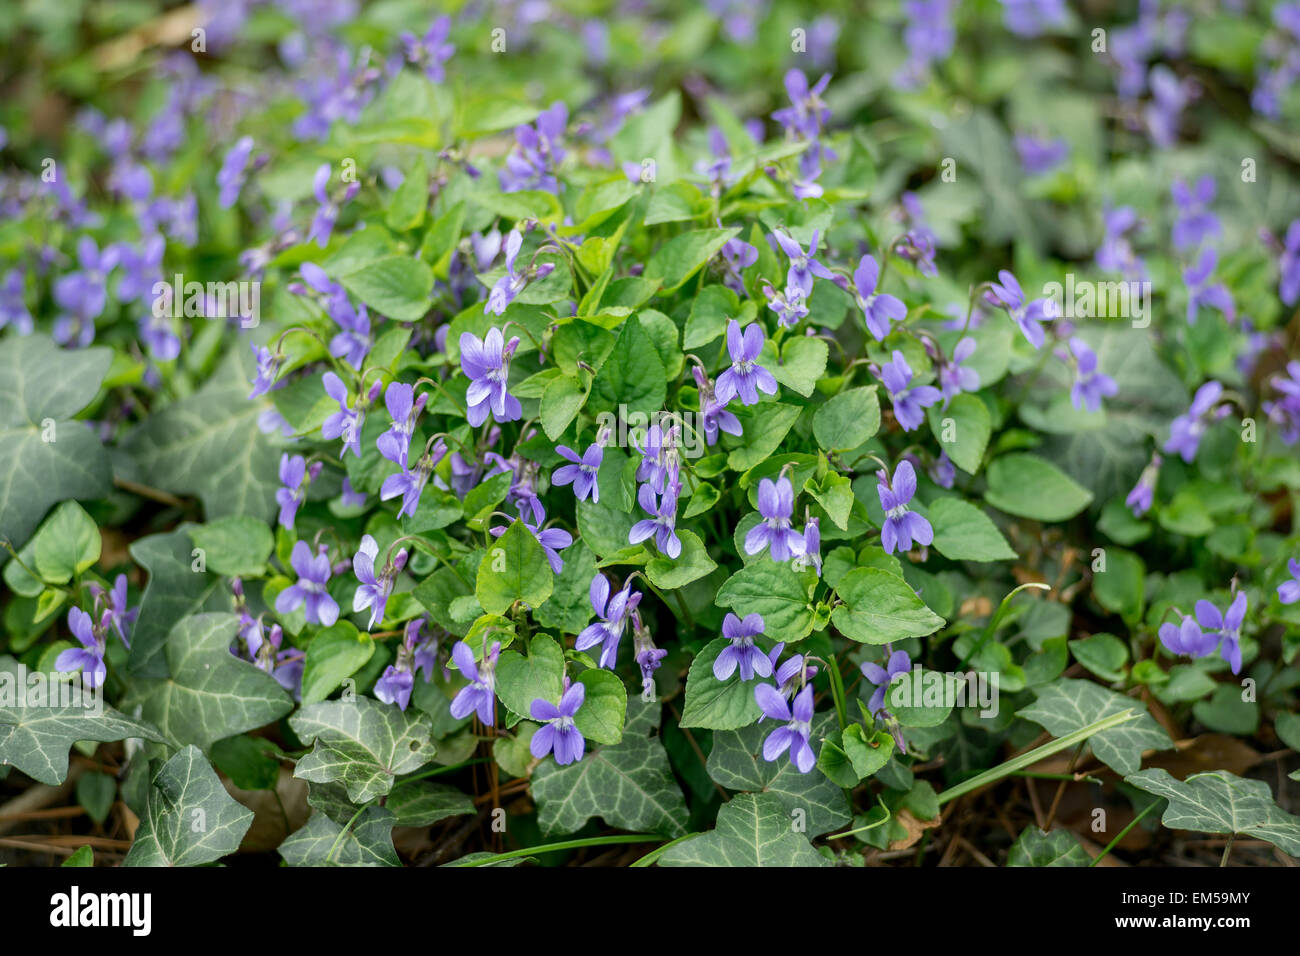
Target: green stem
x,y
994,621
448,769
568,845
995,774
869,826
1122,833
659,851
342,833
837,691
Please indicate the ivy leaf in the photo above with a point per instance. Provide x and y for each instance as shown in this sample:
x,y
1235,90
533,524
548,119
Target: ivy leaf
x,y
323,842
632,375
237,545
208,444
715,704
362,743
1034,847
963,532
208,693
1068,705
691,565
880,607
1221,802
629,785
1030,487
174,592
189,818
514,569
962,430
36,740
847,419
422,803
45,457
754,829
736,762
782,595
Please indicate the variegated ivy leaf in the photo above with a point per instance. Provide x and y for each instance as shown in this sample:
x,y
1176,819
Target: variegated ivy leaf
x,y
1036,848
35,737
736,762
189,817
208,693
1067,705
45,457
365,841
754,829
363,744
1221,802
629,785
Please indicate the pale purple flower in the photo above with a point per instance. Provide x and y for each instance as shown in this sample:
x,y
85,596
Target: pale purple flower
x,y
486,362
803,265
1090,385
901,526
613,613
552,540
790,306
663,525
745,377
311,587
737,255
1187,638
346,422
879,308
395,686
1038,156
559,732
480,694
775,504
1115,254
1007,294
230,178
327,212
120,617
538,153
713,414
582,473
881,677
811,553
508,287
160,339
909,400
353,342
660,463
942,471
1200,291
954,378
1226,626
1142,496
13,308
1186,431
404,409
1285,411
1169,97
1288,289
352,498
1029,18
268,367
374,589
410,482
742,653
798,725
89,658
432,50
1288,592
292,492
807,114
1195,222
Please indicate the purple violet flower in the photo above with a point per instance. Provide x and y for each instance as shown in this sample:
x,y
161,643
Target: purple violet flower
x,y
1187,638
798,725
613,613
953,377
346,422
1195,222
89,658
486,362
1288,592
1090,385
879,308
1142,496
775,505
404,409
1186,431
559,732
1007,294
881,677
742,653
480,694
310,589
230,178
901,526
745,377
582,473
713,413
802,264
663,525
374,590
1200,292
327,212
292,492
909,402
1225,626
432,50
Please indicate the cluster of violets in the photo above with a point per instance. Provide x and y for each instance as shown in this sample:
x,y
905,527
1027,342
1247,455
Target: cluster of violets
x,y
336,85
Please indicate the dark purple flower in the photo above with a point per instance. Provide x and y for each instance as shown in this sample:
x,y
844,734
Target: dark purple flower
x,y
713,414
410,482
881,677
1195,222
292,492
1288,289
1200,292
660,463
742,653
432,50
902,526
1227,627
775,504
1288,592
374,590
953,377
745,377
1007,294
230,178
1142,496
486,362
480,694
582,473
663,526
1038,156
909,402
268,367
798,725
1187,638
404,409
311,587
807,115
613,613
1090,385
89,658
538,152
559,732
1186,431
879,308
803,267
